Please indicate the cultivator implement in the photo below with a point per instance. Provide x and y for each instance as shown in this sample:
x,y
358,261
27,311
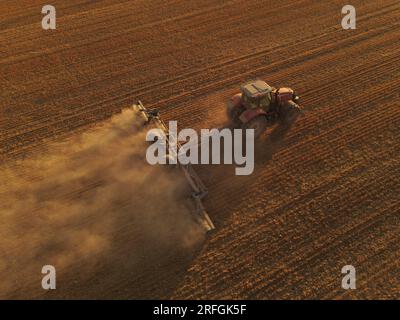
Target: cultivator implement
x,y
199,191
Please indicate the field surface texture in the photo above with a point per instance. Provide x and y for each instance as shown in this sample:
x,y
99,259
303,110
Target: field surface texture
x,y
324,196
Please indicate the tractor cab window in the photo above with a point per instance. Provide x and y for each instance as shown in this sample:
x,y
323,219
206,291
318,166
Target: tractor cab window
x,y
265,101
252,102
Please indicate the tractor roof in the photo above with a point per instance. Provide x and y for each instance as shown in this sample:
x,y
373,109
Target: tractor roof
x,y
256,88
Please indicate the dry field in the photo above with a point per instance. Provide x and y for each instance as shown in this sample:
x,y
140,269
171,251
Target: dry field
x,y
325,196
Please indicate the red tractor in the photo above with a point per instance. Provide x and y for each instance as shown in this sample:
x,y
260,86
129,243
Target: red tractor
x,y
259,106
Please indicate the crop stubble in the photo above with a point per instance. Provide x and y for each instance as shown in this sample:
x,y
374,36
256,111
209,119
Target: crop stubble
x,y
324,196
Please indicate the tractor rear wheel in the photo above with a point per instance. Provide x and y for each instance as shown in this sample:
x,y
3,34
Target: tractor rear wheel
x,y
234,113
259,124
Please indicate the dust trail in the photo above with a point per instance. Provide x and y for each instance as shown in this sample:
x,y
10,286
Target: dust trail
x,y
93,208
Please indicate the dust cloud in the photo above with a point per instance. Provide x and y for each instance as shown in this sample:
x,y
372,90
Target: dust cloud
x,y
93,208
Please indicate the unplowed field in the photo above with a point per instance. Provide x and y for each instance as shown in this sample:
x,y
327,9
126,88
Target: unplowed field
x,y
324,196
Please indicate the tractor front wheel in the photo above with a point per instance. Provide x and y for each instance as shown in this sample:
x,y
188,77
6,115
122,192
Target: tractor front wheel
x,y
259,124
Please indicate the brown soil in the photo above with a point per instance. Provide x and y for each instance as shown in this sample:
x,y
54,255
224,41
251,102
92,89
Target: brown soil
x,y
323,196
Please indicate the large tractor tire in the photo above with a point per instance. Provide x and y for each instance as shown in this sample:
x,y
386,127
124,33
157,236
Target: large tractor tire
x,y
289,114
259,124
234,113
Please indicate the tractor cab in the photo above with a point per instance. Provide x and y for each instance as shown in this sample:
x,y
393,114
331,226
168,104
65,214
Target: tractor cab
x,y
256,94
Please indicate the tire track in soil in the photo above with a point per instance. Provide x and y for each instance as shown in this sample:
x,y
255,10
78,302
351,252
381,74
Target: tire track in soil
x,y
172,82
335,149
